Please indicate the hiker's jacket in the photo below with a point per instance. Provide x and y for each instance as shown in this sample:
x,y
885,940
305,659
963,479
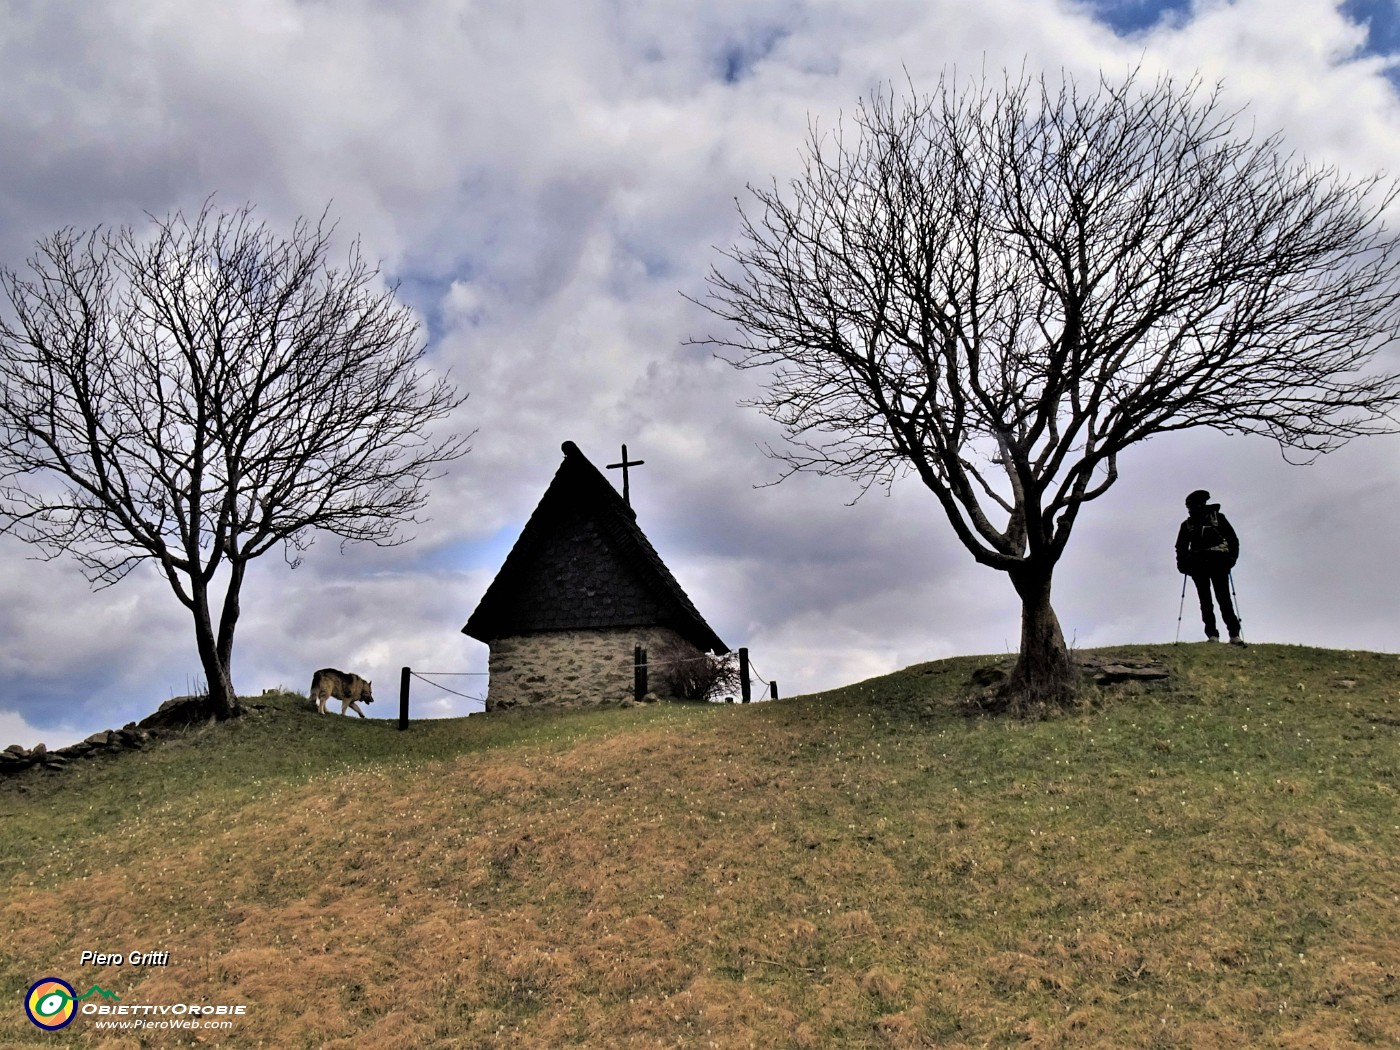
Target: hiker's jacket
x,y
1206,542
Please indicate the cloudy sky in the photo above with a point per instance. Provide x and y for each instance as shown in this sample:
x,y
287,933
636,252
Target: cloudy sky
x,y
546,181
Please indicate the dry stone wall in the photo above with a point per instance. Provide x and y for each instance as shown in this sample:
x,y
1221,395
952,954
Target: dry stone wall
x,y
592,668
16,758
175,713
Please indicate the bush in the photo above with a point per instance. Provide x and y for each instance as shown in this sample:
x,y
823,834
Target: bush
x,y
684,674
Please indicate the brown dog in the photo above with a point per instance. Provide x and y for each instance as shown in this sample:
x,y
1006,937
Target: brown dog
x,y
349,689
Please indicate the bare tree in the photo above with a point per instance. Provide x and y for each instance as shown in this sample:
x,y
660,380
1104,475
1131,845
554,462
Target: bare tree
x,y
1000,287
199,395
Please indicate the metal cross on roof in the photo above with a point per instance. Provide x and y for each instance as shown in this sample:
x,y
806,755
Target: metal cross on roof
x,y
626,488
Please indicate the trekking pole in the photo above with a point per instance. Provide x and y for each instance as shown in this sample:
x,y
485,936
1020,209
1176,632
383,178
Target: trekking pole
x,y
1180,606
1235,598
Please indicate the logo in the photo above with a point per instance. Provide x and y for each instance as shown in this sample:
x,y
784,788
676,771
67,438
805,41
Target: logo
x,y
52,1004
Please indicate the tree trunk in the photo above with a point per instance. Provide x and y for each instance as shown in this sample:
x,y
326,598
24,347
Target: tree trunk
x,y
222,701
1044,676
217,678
228,620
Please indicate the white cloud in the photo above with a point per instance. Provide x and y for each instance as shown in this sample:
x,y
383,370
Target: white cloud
x,y
14,729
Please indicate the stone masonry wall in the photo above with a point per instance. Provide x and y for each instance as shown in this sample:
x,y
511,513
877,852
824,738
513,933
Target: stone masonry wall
x,y
590,668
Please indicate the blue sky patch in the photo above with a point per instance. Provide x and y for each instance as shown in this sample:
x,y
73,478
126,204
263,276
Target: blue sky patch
x,y
1126,17
738,57
1382,19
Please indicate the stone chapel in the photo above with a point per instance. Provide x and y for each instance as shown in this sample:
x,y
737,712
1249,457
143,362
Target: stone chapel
x,y
581,588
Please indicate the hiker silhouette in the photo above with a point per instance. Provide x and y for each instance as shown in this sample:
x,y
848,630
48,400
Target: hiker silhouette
x,y
1206,550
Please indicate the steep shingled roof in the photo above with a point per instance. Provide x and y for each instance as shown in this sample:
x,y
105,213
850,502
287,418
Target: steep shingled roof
x,y
581,562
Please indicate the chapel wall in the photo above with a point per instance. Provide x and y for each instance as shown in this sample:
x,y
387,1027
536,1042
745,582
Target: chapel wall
x,y
573,669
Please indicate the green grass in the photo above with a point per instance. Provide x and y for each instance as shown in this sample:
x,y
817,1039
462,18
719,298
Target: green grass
x,y
1212,862
205,772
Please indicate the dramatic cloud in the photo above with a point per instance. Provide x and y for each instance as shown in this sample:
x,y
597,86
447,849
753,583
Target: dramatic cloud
x,y
546,183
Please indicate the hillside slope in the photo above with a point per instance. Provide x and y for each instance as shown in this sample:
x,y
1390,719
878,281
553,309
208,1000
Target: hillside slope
x,y
1209,863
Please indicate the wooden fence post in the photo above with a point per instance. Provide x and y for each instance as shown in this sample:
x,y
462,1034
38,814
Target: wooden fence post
x,y
639,673
745,689
403,697
773,690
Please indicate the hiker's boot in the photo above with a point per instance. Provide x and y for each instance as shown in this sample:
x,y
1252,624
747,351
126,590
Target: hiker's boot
x,y
1236,640
1212,637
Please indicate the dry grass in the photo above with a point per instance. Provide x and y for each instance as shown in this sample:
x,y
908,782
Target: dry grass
x,y
1212,865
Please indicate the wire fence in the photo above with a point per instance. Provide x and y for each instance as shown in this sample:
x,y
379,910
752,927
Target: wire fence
x,y
747,673
676,661
408,674
422,676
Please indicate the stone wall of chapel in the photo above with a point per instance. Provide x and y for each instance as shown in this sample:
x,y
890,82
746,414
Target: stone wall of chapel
x,y
569,669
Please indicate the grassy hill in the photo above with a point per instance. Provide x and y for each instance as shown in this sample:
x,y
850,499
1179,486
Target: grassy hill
x,y
1208,863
